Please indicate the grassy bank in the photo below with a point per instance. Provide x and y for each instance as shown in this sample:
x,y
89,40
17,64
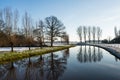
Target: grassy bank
x,y
12,56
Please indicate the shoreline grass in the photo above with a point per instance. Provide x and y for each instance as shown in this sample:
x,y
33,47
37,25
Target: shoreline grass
x,y
13,56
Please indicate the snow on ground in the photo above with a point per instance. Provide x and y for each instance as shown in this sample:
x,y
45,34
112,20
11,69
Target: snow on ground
x,y
19,49
110,45
115,47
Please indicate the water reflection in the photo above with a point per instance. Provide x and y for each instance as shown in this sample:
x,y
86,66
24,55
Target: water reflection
x,y
89,54
66,53
49,67
64,65
56,67
11,74
31,71
8,72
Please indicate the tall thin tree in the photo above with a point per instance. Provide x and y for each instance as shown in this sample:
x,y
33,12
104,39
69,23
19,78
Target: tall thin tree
x,y
28,29
94,33
99,33
89,33
85,33
39,32
8,17
79,32
116,31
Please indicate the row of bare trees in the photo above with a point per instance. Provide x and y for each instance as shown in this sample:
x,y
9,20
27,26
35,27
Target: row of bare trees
x,y
14,32
90,34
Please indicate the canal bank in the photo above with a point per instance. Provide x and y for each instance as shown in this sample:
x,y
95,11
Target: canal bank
x,y
12,56
113,50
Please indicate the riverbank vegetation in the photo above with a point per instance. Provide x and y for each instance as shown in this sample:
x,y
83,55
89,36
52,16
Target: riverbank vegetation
x,y
12,56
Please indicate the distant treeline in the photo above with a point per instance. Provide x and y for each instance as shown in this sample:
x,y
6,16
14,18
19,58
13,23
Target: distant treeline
x,y
116,39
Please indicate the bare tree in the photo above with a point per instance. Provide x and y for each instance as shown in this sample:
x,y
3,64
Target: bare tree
x,y
28,29
54,27
25,22
89,33
99,32
94,33
39,32
85,33
8,20
62,36
65,37
1,15
79,32
118,32
14,28
2,23
11,21
8,17
115,31
16,18
3,36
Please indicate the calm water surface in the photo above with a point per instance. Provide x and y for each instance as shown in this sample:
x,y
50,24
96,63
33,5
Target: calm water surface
x,y
78,63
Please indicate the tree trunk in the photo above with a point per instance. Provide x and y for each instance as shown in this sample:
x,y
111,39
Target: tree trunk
x,y
98,40
29,46
11,46
80,39
29,61
89,40
51,41
12,65
41,43
41,57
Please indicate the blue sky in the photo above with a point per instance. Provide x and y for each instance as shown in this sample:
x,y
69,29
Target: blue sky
x,y
73,13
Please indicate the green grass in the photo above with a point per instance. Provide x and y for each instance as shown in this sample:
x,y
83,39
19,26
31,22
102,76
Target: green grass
x,y
13,56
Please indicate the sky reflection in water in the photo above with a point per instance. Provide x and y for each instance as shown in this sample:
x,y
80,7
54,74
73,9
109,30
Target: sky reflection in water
x,y
81,62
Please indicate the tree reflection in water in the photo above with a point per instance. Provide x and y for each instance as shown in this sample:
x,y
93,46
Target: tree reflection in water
x,y
56,67
89,54
41,68
66,53
8,72
116,59
100,54
49,66
35,69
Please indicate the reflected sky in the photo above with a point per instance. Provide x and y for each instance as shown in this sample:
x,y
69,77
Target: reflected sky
x,y
81,62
